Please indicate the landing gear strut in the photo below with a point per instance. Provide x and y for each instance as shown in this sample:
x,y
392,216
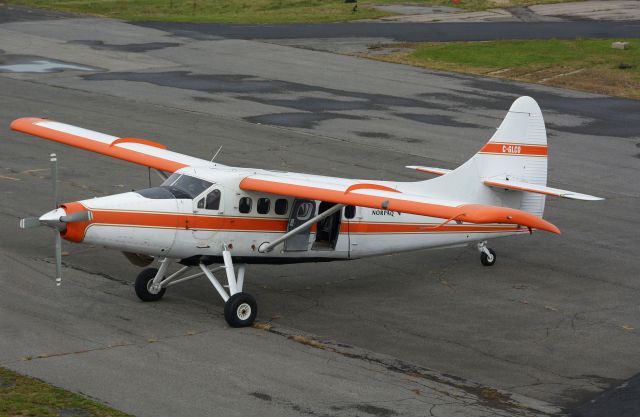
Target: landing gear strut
x,y
487,255
240,308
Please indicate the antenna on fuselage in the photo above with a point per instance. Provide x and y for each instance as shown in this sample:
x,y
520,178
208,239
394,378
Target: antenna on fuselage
x,y
216,154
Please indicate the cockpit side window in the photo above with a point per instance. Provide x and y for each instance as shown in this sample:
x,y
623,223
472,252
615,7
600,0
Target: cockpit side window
x,y
211,201
190,185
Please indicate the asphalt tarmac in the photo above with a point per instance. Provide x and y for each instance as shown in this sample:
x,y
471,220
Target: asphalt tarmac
x,y
552,325
409,32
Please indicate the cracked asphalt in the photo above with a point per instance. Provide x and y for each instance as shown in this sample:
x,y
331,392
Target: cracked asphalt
x,y
552,325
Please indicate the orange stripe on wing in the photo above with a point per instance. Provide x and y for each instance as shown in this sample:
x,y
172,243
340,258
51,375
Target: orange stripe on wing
x,y
377,228
364,186
138,140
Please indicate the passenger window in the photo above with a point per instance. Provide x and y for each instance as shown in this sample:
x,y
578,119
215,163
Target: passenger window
x,y
305,210
245,205
213,200
281,206
264,204
201,203
349,212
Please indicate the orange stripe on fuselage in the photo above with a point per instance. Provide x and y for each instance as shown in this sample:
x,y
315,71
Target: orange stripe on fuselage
x,y
517,149
76,231
188,221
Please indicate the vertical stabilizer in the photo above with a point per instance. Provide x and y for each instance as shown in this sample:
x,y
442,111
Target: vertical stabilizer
x,y
518,152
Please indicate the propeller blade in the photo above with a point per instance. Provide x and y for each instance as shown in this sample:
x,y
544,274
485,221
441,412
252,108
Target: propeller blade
x,y
58,248
54,178
29,222
81,216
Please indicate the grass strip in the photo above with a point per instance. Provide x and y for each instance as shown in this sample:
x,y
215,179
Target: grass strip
x,y
251,11
580,64
22,396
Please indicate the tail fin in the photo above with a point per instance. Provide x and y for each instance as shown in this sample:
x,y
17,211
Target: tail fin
x,y
509,171
518,152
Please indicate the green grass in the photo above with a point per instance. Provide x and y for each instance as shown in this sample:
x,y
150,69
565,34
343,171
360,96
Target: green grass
x,y
248,11
216,11
21,396
513,54
581,64
487,4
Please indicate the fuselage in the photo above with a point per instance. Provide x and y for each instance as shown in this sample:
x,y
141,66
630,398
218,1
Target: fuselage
x,y
197,211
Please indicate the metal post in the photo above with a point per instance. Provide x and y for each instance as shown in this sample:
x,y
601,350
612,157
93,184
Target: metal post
x,y
231,274
168,279
215,282
164,264
240,279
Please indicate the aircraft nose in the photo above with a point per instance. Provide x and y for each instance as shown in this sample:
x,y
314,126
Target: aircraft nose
x,y
76,218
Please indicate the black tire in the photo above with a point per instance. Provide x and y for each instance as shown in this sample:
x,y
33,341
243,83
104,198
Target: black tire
x,y
240,310
142,285
485,259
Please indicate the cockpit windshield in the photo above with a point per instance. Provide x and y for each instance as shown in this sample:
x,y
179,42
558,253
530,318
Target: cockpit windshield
x,y
190,185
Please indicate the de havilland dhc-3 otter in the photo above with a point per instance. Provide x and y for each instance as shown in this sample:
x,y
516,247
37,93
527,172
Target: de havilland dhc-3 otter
x,y
206,214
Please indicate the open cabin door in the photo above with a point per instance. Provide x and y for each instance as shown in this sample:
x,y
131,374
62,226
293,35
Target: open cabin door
x,y
328,229
301,211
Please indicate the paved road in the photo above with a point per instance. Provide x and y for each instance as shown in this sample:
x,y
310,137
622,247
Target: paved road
x,y
551,325
409,32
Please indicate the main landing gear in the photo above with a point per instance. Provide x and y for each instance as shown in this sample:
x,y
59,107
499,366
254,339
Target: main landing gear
x,y
487,255
240,308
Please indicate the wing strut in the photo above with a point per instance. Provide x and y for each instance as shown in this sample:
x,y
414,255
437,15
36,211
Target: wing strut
x,y
268,247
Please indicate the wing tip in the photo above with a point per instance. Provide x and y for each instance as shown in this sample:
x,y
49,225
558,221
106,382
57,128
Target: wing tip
x,y
18,124
583,197
477,213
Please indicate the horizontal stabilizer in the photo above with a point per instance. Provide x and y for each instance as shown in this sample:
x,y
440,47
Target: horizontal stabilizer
x,y
540,189
430,170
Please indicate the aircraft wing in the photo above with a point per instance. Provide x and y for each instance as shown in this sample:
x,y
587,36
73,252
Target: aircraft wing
x,y
139,151
378,196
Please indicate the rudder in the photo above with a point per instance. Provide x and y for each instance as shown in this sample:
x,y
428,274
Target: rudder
x,y
518,151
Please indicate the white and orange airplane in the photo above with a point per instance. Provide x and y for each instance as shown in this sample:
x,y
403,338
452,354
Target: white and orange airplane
x,y
206,214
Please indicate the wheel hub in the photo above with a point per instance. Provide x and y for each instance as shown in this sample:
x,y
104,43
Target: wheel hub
x,y
244,311
153,288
